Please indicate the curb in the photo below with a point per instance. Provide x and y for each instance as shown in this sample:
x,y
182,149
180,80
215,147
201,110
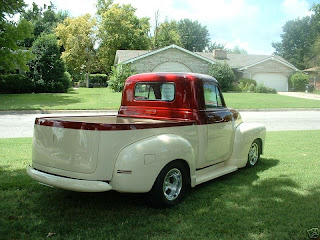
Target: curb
x,y
21,112
279,110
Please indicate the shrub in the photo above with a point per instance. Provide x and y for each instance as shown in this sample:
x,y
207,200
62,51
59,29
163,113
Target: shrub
x,y
298,81
246,87
119,75
247,81
16,83
98,80
223,73
260,88
47,70
234,88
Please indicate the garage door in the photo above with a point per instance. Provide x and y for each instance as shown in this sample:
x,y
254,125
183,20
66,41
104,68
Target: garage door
x,y
273,80
171,67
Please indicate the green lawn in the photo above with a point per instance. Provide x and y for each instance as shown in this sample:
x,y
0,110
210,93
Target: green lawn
x,y
278,199
104,98
82,98
267,101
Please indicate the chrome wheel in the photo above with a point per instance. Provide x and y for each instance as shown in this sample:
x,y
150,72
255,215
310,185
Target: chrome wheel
x,y
254,153
172,184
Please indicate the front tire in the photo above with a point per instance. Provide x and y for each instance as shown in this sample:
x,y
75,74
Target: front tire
x,y
170,185
254,153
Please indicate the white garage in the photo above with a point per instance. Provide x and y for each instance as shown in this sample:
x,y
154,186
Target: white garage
x,y
171,67
277,81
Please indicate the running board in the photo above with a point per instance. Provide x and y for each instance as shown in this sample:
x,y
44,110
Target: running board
x,y
212,172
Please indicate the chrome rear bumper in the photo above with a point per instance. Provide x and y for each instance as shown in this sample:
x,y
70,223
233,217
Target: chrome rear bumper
x,y
68,183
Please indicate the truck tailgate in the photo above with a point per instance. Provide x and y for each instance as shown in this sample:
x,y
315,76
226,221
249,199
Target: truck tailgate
x,y
73,150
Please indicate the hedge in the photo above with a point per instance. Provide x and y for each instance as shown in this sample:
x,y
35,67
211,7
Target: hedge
x,y
16,83
98,79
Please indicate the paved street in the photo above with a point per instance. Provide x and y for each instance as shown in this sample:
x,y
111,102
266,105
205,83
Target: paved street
x,y
21,125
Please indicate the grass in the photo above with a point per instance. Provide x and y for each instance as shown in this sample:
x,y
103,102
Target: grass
x,y
82,98
104,98
267,101
278,199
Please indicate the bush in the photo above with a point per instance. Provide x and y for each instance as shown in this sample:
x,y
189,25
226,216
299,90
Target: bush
x,y
234,88
246,87
119,75
224,74
249,81
298,81
15,83
98,80
47,70
260,88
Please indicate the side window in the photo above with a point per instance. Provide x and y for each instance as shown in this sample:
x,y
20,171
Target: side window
x,y
212,96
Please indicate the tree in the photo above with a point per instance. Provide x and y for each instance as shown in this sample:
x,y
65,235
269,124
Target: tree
x,y
167,34
77,36
118,76
12,56
237,50
10,8
47,69
215,45
223,73
120,28
43,19
297,41
194,36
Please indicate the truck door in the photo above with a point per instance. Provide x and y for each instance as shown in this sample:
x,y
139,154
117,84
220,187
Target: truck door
x,y
219,125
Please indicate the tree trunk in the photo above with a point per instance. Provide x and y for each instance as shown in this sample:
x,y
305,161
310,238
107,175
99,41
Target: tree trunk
x,y
87,80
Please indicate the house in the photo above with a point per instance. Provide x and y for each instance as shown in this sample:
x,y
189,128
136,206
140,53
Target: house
x,y
271,70
314,74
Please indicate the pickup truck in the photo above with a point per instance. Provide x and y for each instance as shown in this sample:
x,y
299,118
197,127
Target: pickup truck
x,y
173,131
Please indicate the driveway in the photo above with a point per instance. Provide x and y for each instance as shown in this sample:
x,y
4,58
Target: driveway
x,y
301,95
21,125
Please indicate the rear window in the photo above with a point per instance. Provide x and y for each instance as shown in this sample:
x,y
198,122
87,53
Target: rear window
x,y
154,91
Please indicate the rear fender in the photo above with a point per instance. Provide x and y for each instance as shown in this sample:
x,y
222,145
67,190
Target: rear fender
x,y
139,164
245,134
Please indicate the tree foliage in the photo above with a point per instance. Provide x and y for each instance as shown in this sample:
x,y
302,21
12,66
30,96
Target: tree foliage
x,y
120,28
167,34
118,76
43,19
237,50
223,73
297,42
77,36
12,56
194,36
47,69
10,8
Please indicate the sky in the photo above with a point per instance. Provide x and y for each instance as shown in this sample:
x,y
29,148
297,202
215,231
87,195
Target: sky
x,y
250,24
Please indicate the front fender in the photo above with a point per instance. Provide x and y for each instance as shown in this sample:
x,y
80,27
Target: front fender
x,y
245,134
138,165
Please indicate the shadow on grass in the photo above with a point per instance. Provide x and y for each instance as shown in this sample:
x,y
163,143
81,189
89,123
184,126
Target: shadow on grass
x,y
236,206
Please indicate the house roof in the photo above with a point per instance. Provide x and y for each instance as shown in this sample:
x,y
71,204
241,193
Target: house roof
x,y
128,56
313,69
238,61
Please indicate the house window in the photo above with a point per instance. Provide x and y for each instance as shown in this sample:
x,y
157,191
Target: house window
x,y
154,91
212,96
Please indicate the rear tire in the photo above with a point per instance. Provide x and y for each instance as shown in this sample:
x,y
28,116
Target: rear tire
x,y
170,185
254,153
